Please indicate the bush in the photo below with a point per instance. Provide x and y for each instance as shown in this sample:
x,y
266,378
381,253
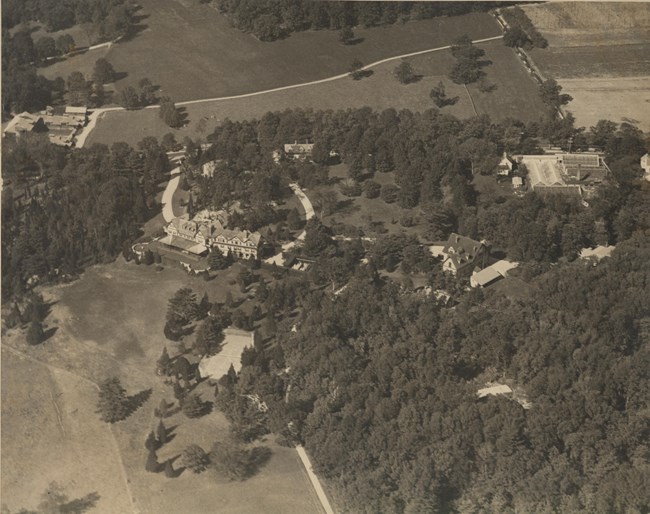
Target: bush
x,y
389,193
195,458
371,188
350,188
194,407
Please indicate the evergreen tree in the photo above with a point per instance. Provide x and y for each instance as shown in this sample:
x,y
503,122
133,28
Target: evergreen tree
x,y
113,404
151,443
195,458
35,334
204,305
193,407
161,432
163,364
152,462
262,292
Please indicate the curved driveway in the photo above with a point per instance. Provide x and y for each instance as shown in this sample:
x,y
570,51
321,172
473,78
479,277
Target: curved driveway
x,y
98,112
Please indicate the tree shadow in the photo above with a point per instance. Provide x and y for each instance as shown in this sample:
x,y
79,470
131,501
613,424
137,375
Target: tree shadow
x,y
177,471
49,333
346,206
136,27
119,75
81,505
137,400
258,457
184,117
415,78
355,41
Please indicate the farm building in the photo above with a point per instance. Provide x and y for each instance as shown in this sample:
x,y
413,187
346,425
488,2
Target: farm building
x,y
645,164
517,182
492,273
460,254
25,123
575,174
504,168
597,253
299,151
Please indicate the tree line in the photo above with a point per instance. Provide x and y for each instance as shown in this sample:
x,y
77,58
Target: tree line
x,y
269,20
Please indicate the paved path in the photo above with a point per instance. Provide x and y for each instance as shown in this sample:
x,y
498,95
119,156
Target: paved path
x,y
168,195
309,213
82,137
329,79
314,480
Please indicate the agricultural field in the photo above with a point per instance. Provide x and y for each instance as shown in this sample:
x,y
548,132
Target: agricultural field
x,y
191,52
109,322
600,54
515,95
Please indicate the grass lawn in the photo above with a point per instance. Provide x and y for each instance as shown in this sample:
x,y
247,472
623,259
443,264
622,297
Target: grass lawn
x,y
50,432
191,51
515,96
360,211
109,322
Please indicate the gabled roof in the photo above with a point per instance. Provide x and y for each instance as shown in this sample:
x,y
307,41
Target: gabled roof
x,y
461,250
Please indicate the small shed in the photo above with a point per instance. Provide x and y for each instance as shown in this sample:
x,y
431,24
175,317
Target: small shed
x,y
517,182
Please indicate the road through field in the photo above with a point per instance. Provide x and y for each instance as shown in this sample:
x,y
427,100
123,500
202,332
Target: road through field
x,y
96,116
328,79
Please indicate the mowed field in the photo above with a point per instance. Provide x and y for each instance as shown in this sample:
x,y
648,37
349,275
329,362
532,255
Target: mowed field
x,y
191,52
110,324
600,54
515,95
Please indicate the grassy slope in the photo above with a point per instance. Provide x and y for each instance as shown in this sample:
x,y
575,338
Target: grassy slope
x,y
190,50
110,323
516,96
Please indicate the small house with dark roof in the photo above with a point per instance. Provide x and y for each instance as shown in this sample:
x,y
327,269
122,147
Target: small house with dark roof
x,y
460,254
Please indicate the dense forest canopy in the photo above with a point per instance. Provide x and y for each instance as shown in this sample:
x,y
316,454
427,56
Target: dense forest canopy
x,y
65,209
273,19
380,385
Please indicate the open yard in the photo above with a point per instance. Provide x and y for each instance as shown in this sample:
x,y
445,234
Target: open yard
x,y
191,52
515,95
600,55
109,322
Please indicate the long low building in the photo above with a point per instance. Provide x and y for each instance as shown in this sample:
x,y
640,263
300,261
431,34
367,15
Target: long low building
x,y
492,273
566,173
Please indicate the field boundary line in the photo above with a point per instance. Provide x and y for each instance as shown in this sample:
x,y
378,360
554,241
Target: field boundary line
x,y
471,99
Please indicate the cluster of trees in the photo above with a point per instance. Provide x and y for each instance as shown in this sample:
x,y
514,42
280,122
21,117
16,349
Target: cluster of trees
x,y
67,209
467,68
273,19
145,94
228,459
108,19
169,113
382,392
521,32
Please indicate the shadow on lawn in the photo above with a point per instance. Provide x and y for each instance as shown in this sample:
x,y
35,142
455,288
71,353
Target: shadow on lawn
x,y
137,400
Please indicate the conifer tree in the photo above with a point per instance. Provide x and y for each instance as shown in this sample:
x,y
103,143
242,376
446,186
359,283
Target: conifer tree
x,y
161,432
35,334
113,404
152,462
163,364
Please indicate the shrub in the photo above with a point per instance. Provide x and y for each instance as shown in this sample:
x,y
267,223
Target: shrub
x,y
371,188
195,458
389,193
